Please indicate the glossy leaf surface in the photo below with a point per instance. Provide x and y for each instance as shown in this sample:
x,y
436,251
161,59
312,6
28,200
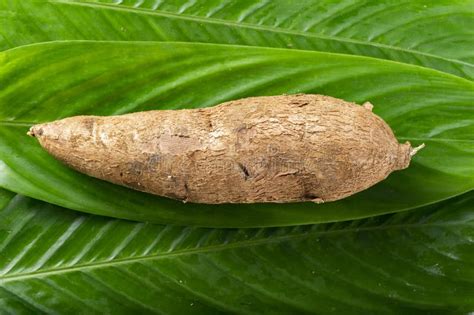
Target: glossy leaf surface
x,y
54,260
435,34
50,81
59,261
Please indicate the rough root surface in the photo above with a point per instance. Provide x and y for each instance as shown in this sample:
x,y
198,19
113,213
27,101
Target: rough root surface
x,y
262,149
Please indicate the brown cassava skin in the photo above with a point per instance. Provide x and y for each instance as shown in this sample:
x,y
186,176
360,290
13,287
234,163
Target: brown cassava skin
x,y
285,148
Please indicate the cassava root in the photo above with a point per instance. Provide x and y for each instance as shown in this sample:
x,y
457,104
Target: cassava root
x,y
285,148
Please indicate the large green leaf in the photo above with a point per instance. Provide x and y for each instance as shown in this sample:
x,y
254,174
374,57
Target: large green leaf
x,y
50,81
59,261
436,34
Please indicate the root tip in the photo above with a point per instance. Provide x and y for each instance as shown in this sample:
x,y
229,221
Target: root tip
x,y
413,151
31,133
35,132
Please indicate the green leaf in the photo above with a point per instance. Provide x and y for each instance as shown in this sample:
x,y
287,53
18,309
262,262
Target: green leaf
x,y
49,81
432,34
59,261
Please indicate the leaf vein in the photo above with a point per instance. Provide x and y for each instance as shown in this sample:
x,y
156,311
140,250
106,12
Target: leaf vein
x,y
213,248
260,28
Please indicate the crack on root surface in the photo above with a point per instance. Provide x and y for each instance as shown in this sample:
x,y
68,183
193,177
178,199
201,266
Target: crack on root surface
x,y
312,197
309,196
244,170
186,193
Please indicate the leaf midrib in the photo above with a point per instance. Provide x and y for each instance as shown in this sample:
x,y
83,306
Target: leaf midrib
x,y
216,248
255,27
16,123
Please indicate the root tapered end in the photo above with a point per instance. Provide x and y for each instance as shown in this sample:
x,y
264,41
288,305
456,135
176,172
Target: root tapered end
x,y
35,131
405,154
413,151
